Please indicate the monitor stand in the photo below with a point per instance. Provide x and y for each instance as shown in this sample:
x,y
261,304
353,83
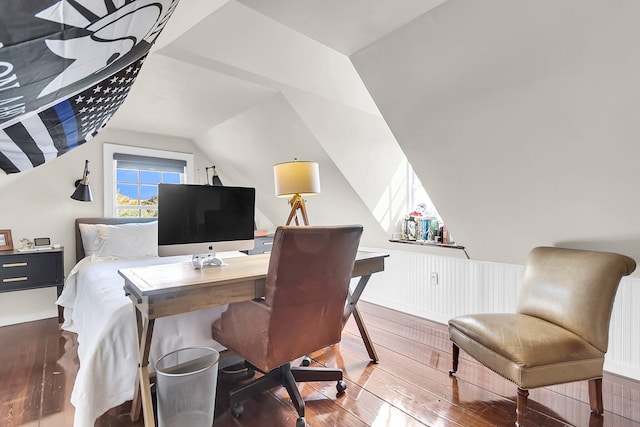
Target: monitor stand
x,y
200,261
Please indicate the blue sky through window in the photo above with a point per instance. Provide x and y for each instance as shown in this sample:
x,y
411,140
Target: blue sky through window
x,y
126,175
150,177
148,191
128,183
129,190
170,178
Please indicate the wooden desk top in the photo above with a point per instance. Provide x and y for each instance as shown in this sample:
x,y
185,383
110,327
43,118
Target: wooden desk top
x,y
156,280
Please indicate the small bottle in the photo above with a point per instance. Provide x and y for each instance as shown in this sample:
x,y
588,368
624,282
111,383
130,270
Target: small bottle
x,y
433,229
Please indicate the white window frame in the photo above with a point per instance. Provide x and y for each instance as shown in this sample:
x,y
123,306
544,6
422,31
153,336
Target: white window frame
x,y
109,168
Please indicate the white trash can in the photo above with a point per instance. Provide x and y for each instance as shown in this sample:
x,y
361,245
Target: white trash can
x,y
186,387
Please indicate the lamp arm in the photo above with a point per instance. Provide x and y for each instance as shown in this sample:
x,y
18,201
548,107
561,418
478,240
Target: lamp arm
x,y
85,174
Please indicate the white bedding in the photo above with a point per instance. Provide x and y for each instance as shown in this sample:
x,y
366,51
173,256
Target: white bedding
x,y
97,309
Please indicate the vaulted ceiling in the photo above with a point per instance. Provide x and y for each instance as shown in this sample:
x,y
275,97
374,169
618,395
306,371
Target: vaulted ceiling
x,y
519,117
258,83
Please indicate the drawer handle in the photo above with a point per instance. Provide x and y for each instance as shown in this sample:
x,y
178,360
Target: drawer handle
x,y
267,243
15,264
15,279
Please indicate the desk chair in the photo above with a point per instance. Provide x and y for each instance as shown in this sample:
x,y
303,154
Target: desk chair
x,y
560,330
305,293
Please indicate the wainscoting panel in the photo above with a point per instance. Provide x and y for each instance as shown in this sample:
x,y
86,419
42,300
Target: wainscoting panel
x,y
468,286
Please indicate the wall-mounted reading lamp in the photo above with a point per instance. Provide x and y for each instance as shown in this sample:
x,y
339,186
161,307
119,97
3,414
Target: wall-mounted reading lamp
x,y
215,180
295,180
83,191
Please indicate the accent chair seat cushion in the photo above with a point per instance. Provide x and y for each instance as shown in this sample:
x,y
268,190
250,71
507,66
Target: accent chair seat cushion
x,y
527,350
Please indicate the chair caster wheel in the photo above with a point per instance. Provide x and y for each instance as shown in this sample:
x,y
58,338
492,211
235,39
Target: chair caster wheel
x,y
236,410
301,422
341,386
306,361
251,373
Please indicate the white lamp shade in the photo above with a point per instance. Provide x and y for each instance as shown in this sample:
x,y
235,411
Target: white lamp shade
x,y
293,178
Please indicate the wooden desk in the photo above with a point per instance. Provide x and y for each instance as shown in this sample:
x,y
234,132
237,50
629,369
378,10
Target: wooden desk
x,y
164,290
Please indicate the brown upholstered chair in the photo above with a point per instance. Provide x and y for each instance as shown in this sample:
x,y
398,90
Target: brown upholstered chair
x,y
560,330
305,293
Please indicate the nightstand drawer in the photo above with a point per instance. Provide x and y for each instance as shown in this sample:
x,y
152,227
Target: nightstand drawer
x,y
31,270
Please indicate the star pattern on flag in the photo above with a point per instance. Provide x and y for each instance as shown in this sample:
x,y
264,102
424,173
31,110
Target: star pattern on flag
x,y
97,104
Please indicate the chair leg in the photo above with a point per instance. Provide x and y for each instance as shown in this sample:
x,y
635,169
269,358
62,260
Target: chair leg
x,y
306,374
286,376
267,382
521,406
455,353
289,382
595,396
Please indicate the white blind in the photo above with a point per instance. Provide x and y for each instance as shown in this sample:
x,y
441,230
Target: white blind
x,y
132,161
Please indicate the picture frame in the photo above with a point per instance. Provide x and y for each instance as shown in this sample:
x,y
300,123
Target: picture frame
x,y
6,243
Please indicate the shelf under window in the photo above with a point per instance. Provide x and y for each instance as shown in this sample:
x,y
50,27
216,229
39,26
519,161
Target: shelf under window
x,y
427,243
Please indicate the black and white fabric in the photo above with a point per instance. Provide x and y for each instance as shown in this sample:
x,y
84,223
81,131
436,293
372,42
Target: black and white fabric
x,y
65,68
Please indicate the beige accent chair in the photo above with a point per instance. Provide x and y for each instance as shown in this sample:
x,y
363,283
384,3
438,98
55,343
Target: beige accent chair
x,y
305,294
560,330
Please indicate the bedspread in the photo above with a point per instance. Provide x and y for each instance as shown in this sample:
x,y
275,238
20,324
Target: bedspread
x,y
97,309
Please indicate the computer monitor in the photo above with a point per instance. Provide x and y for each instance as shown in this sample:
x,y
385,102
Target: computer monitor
x,y
200,220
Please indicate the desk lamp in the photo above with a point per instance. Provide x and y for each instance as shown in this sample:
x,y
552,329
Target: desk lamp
x,y
295,180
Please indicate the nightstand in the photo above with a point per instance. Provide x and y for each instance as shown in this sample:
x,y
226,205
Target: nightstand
x,y
31,270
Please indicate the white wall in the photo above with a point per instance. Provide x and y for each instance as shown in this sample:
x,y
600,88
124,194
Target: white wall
x,y
521,120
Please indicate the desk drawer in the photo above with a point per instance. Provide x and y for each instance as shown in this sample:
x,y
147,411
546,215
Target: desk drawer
x,y
262,245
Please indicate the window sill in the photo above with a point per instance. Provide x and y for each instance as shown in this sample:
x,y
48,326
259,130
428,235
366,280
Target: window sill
x,y
426,243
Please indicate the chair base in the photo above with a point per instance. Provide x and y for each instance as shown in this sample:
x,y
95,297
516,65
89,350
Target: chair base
x,y
595,391
286,376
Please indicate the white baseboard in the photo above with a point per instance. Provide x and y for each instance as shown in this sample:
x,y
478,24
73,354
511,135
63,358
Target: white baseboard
x,y
30,317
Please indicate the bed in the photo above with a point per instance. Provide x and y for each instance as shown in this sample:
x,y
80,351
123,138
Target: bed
x,y
97,310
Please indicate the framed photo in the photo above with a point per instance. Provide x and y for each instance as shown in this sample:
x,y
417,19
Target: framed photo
x,y
6,244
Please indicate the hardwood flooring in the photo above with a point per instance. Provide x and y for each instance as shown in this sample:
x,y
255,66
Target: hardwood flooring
x,y
409,387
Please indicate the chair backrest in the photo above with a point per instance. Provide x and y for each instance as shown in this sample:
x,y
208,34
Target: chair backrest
x,y
306,287
574,289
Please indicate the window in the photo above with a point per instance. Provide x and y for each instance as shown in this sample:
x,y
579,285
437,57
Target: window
x,y
132,175
418,196
136,183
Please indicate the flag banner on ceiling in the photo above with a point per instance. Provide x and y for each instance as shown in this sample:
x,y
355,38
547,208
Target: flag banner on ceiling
x,y
54,50
43,136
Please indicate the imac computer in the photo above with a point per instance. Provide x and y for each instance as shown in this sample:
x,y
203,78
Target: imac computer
x,y
199,220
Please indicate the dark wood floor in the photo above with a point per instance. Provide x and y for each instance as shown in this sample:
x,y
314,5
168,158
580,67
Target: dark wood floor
x,y
409,387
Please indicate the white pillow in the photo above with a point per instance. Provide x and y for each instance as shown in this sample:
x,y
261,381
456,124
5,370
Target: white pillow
x,y
131,240
89,235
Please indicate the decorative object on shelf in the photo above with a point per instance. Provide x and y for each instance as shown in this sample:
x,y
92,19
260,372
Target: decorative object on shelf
x,y
26,243
295,180
422,227
215,180
409,229
6,243
83,191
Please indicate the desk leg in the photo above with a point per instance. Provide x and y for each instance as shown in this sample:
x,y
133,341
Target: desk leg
x,y
142,390
352,308
365,335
